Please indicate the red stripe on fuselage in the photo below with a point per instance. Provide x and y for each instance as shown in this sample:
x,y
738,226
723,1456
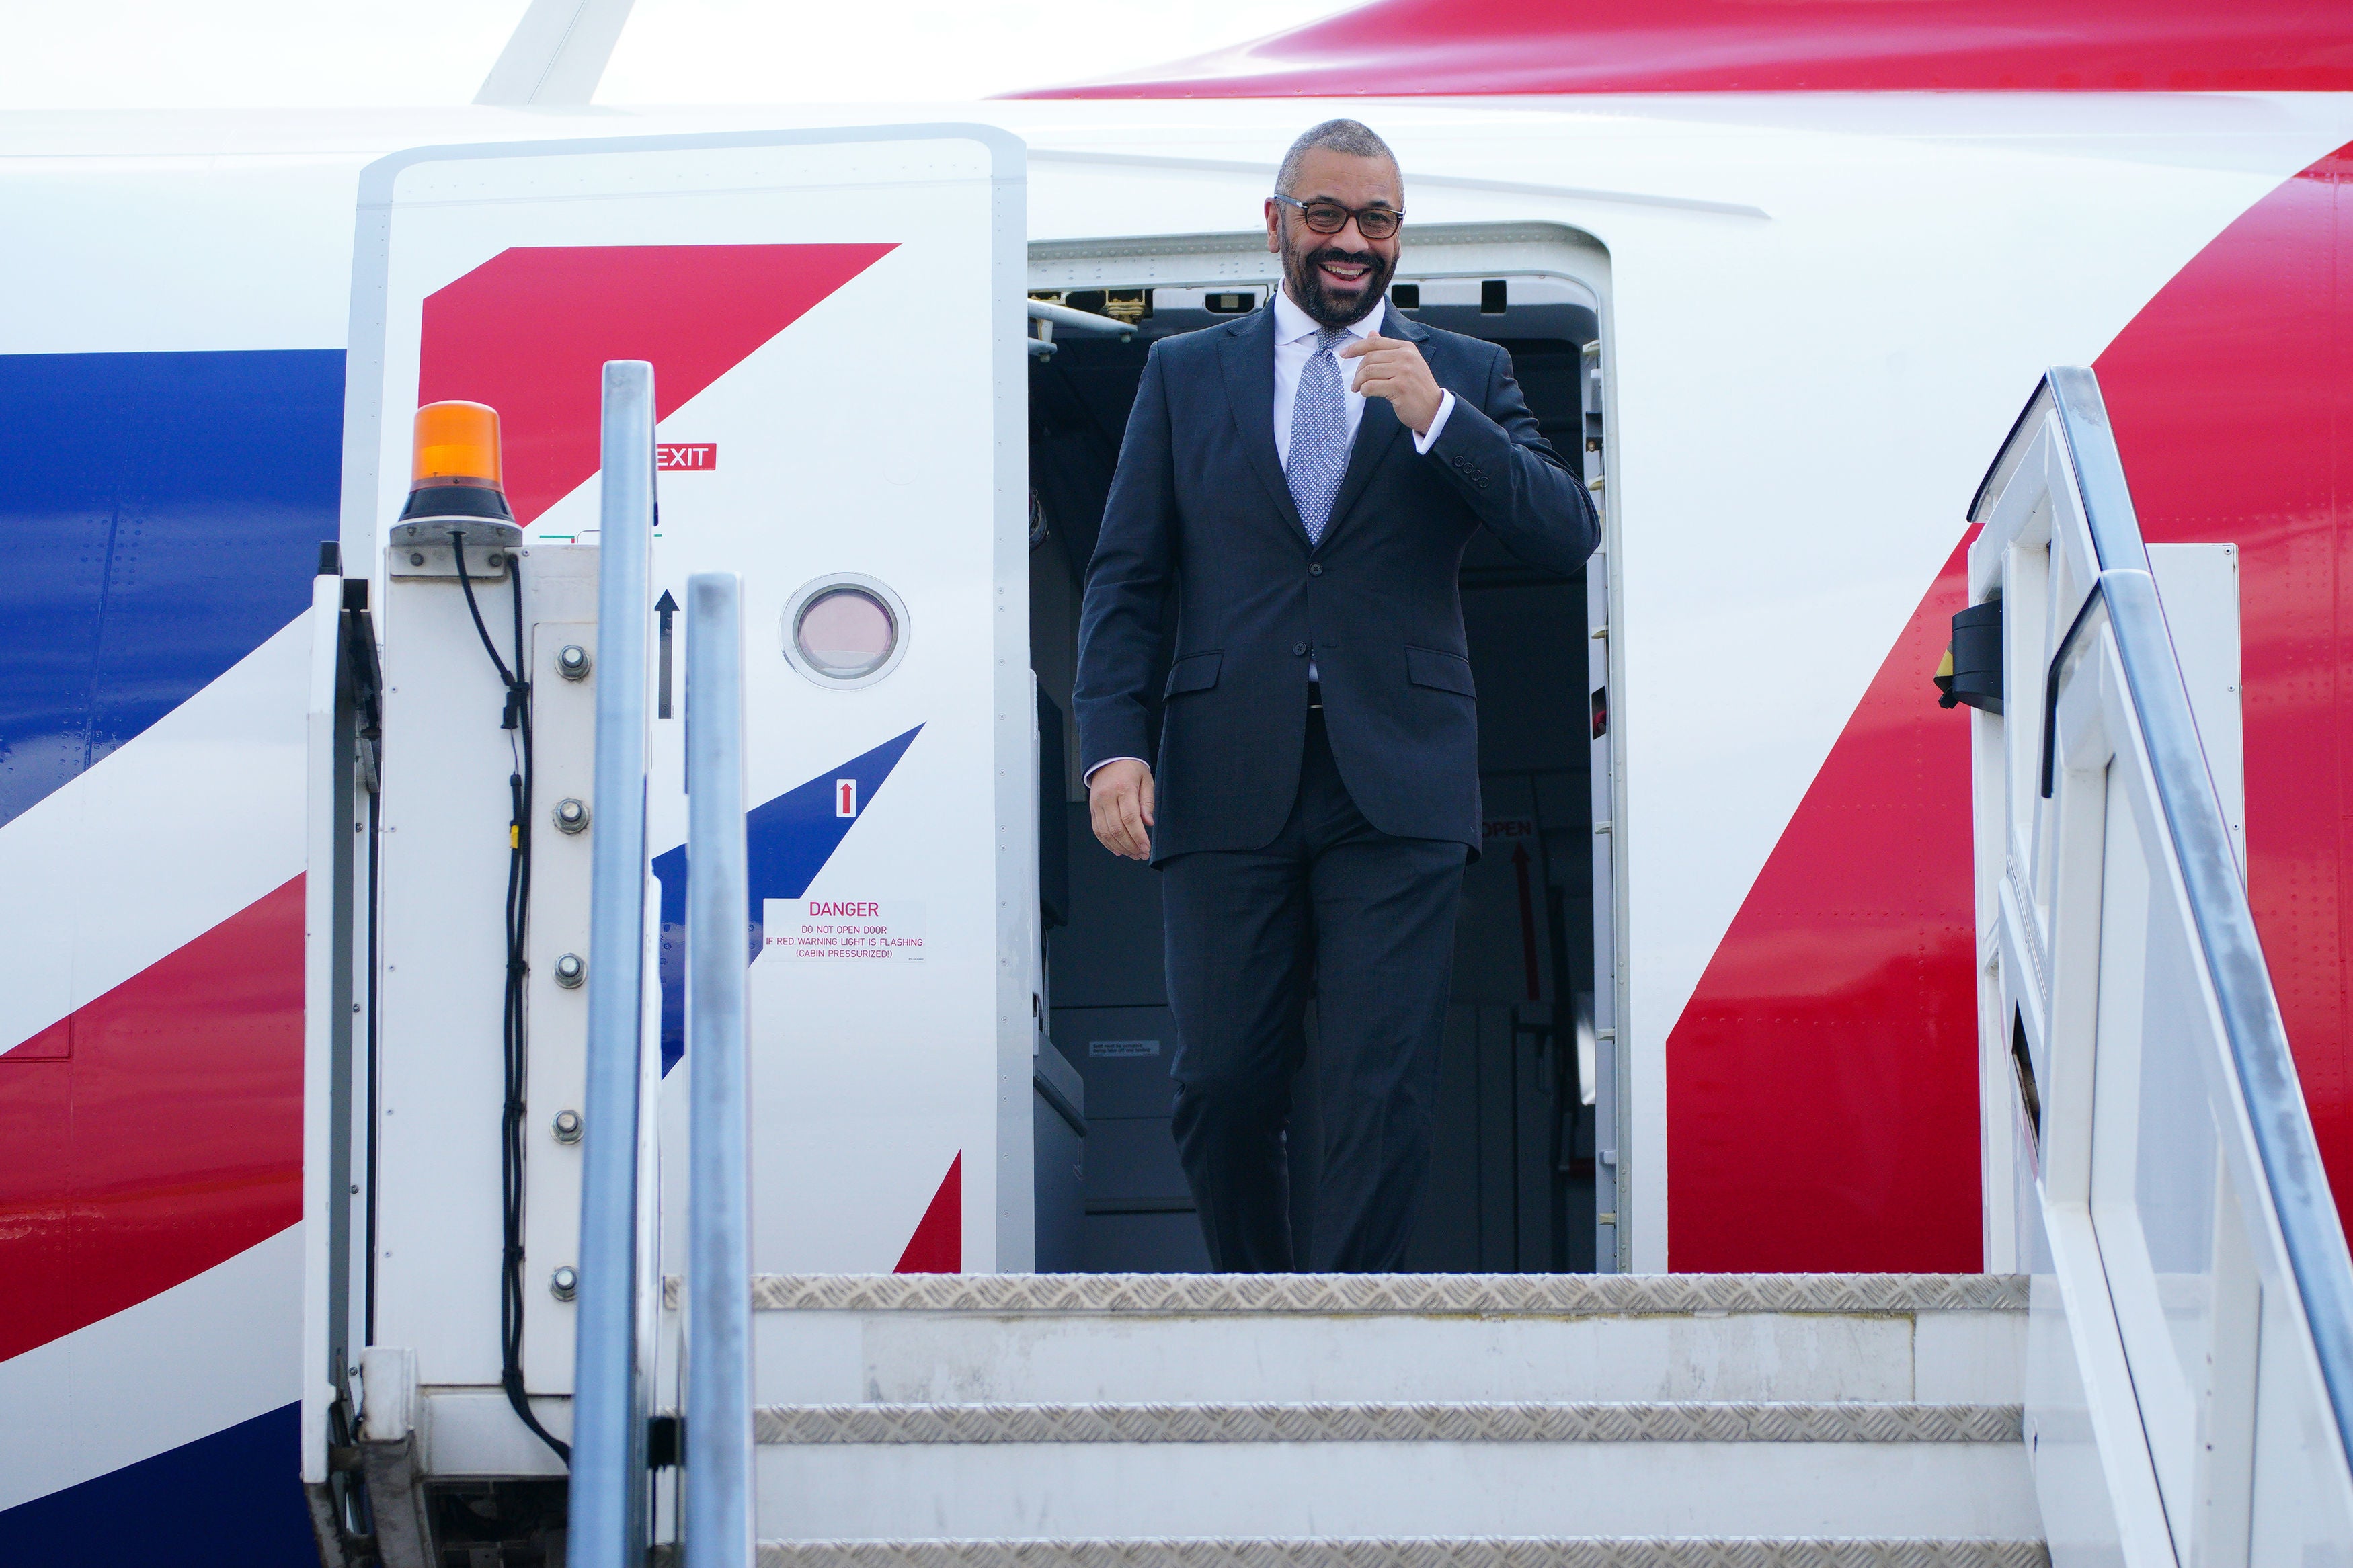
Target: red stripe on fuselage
x,y
1401,47
938,1245
1822,1083
161,1135
1821,1080
2232,394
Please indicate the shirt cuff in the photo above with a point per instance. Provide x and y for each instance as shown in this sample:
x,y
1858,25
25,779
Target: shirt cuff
x,y
1429,438
1088,778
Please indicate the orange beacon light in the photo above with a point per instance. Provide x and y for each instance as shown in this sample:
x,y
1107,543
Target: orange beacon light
x,y
455,471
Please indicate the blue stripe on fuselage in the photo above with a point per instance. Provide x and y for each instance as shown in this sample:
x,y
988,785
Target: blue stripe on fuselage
x,y
160,517
234,1499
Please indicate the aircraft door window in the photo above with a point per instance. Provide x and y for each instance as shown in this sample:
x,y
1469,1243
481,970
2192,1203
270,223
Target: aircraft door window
x,y
845,630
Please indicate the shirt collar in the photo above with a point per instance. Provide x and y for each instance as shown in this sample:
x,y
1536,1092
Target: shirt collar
x,y
1292,323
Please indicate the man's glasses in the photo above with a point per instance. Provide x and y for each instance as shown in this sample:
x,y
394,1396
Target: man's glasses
x,y
1331,218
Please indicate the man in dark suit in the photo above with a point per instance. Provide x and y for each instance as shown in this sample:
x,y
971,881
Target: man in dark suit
x,y
1305,478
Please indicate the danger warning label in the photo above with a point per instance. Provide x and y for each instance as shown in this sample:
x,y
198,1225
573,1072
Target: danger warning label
x,y
862,931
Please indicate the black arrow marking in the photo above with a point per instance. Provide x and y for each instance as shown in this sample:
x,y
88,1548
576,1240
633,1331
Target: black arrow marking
x,y
665,607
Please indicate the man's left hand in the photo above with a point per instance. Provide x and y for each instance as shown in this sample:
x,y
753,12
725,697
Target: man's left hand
x,y
1395,369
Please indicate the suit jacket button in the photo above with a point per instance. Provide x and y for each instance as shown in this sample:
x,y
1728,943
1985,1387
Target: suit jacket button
x,y
1299,647
1315,569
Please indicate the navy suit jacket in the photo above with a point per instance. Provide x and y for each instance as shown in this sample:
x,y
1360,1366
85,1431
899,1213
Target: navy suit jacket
x,y
1200,507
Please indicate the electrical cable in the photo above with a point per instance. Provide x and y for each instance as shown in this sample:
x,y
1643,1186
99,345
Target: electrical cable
x,y
517,719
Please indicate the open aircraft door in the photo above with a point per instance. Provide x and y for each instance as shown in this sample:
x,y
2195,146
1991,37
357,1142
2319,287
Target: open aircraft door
x,y
834,320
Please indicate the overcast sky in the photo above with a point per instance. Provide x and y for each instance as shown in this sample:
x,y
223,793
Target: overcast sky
x,y
112,54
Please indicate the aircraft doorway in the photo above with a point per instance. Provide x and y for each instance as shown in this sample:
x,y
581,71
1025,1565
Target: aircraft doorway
x,y
1511,1186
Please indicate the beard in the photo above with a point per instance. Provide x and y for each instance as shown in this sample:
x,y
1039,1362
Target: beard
x,y
1302,269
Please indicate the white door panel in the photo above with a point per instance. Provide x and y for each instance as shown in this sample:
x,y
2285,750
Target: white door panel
x,y
835,322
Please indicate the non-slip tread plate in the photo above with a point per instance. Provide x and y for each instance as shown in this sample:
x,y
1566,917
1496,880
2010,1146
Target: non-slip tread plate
x,y
1421,1553
1482,1295
1389,1422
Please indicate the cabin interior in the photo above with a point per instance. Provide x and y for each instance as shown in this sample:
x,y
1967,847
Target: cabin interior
x,y
1511,1186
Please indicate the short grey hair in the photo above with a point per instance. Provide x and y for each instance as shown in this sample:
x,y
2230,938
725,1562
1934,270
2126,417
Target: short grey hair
x,y
1353,137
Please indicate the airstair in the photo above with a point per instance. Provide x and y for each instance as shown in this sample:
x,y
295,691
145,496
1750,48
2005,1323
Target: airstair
x,y
2168,1382
1392,1419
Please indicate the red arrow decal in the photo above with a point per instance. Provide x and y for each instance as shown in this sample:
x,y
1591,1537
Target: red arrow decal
x,y
529,331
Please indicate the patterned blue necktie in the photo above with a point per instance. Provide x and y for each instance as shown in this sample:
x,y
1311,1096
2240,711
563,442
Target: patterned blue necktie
x,y
1319,434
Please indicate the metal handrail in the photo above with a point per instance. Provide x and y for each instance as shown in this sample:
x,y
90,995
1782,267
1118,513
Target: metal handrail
x,y
717,1514
611,1379
1080,321
2263,1062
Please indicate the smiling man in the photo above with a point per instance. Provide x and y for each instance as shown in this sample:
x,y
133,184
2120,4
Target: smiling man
x,y
1304,480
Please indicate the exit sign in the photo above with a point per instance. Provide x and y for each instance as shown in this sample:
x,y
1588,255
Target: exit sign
x,y
679,456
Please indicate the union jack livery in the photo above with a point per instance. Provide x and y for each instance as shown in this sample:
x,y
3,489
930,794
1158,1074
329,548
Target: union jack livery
x,y
300,714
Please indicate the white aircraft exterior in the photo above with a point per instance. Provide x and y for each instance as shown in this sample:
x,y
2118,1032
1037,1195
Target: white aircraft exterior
x,y
1816,314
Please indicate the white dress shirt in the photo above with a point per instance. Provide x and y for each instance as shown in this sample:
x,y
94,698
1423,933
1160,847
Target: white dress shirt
x,y
1294,343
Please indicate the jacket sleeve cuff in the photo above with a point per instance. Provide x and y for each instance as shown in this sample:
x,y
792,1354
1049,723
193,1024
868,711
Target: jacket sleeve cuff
x,y
1088,778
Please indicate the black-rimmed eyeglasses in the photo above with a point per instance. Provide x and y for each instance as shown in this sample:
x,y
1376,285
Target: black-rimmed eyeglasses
x,y
1331,218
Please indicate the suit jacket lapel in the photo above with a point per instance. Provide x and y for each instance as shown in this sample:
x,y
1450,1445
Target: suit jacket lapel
x,y
1377,433
1248,358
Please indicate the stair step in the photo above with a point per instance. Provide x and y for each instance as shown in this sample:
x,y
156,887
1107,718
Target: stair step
x,y
1436,1551
1671,1422
1406,1338
1548,1295
1281,1471
1289,1421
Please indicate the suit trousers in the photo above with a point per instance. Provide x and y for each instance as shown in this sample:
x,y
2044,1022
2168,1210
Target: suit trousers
x,y
1364,923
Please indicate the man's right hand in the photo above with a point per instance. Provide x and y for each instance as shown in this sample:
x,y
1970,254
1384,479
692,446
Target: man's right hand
x,y
1120,798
